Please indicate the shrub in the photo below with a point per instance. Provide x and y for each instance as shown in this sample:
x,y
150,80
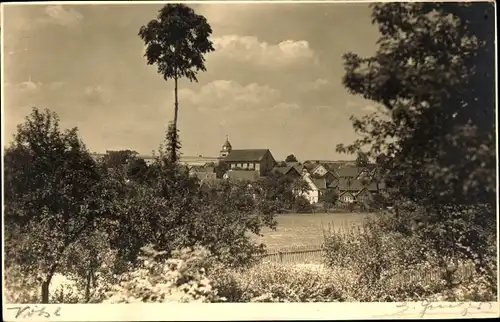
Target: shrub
x,y
381,262
180,278
301,205
278,283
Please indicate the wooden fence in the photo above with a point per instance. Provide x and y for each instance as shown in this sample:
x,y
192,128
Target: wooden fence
x,y
314,254
295,255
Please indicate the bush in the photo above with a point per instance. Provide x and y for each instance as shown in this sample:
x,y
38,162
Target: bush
x,y
180,278
301,205
381,262
277,283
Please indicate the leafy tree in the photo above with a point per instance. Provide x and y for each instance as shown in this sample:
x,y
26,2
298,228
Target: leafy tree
x,y
221,168
173,144
114,159
433,75
291,158
137,169
52,196
362,160
330,197
176,42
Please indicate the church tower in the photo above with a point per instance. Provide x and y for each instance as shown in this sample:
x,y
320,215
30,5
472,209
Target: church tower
x,y
226,148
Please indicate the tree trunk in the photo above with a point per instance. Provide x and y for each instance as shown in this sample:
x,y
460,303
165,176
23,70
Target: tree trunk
x,y
88,285
46,284
45,292
176,112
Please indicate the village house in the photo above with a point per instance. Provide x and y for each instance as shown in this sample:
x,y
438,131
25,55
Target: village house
x,y
258,160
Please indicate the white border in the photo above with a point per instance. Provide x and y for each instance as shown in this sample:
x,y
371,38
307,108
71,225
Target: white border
x,y
248,311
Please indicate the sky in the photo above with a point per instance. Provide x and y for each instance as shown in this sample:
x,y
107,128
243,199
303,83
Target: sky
x,y
273,82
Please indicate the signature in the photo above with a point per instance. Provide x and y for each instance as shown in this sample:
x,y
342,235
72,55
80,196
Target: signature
x,y
30,311
427,306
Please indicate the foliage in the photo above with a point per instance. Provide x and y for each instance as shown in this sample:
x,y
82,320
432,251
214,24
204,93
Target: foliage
x,y
172,143
291,158
137,169
114,159
180,278
176,42
381,263
278,189
276,283
52,195
432,75
302,205
226,215
329,197
220,169
362,159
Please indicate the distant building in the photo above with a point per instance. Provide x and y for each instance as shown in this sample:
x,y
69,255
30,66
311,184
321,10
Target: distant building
x,y
258,160
241,175
226,149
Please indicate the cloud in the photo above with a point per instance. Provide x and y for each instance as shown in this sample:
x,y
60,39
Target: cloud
x,y
250,49
95,95
316,85
62,16
224,95
29,86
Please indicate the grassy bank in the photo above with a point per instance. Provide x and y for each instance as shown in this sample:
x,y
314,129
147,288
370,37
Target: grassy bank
x,y
306,229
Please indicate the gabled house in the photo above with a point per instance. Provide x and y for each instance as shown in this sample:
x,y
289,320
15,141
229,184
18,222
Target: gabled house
x,y
258,160
347,197
328,176
313,192
364,195
288,171
319,170
349,172
202,172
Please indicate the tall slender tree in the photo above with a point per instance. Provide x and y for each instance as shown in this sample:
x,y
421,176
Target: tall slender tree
x,y
176,42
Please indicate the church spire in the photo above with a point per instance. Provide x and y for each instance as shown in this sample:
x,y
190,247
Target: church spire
x,y
226,148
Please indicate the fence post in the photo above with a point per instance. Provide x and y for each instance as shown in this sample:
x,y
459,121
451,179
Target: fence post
x,y
280,254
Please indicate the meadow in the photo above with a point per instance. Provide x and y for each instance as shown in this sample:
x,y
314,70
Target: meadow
x,y
306,229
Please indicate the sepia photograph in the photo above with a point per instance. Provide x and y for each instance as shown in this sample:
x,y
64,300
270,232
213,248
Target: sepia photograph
x,y
249,152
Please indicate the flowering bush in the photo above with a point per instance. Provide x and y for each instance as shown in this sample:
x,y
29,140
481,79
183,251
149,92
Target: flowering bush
x,y
278,283
20,286
180,278
385,265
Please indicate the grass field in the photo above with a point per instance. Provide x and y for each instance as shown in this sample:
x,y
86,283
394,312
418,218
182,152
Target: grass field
x,y
306,229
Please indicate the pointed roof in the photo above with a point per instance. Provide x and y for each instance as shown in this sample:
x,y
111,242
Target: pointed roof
x,y
320,183
285,170
226,145
247,155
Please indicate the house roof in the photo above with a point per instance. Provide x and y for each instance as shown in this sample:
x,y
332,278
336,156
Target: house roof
x,y
320,183
346,193
205,175
285,170
310,166
247,155
372,186
299,168
350,185
348,171
242,175
201,168
333,184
